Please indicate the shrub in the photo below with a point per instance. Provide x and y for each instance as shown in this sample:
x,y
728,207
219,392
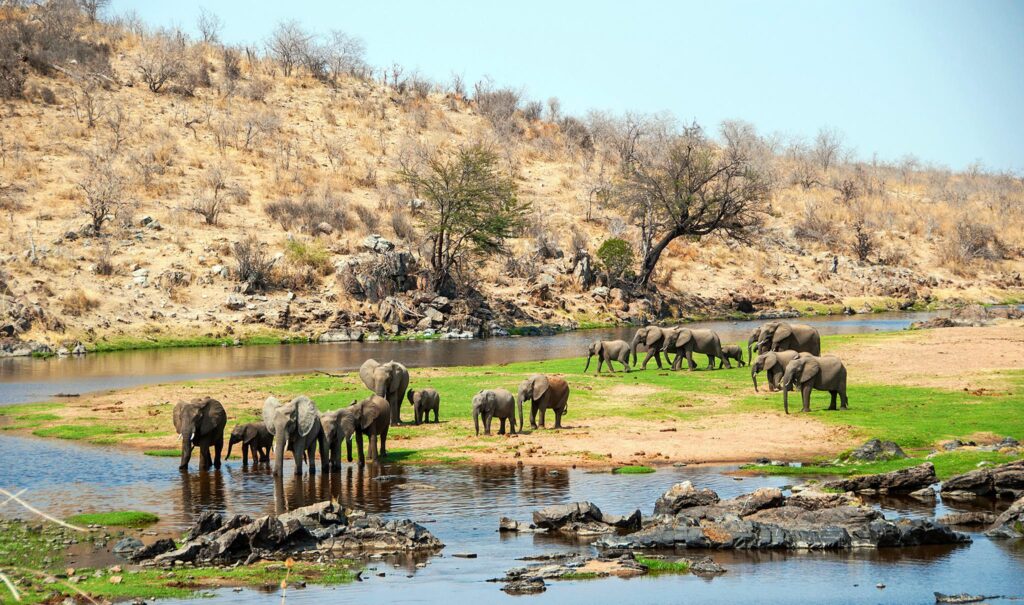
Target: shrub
x,y
817,225
369,217
254,267
499,106
616,256
402,226
307,214
970,242
78,303
311,255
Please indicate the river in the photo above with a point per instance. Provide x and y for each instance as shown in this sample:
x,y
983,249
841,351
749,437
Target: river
x,y
25,379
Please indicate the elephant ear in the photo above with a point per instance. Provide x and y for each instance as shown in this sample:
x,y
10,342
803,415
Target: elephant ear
x,y
366,372
209,409
179,408
653,336
783,332
369,414
810,370
269,410
540,386
770,360
305,414
683,337
252,431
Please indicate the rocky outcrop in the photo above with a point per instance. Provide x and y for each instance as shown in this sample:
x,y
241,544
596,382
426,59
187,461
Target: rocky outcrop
x,y
322,528
12,347
1002,481
683,495
577,518
876,449
1010,524
972,519
902,481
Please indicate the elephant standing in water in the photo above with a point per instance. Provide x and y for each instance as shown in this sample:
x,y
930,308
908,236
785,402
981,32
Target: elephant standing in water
x,y
650,339
495,403
784,336
200,422
297,425
818,373
255,439
543,393
371,417
606,351
388,380
423,402
338,425
774,364
689,341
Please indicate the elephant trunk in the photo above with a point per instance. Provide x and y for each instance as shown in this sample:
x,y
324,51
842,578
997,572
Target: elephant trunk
x,y
476,420
231,442
186,447
279,454
753,376
521,418
632,347
587,367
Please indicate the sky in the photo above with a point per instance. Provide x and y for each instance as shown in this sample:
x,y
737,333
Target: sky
x,y
941,80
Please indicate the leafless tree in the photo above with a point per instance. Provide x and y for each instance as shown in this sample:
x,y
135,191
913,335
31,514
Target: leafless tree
x,y
162,59
257,125
87,102
828,148
116,120
289,44
499,106
103,188
554,109
93,8
210,25
345,55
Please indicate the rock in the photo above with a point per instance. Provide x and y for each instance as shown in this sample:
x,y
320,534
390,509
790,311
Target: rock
x,y
976,518
813,499
962,597
706,566
323,228
378,244
525,586
600,292
683,495
1010,524
341,335
465,555
509,525
895,482
554,517
146,220
1002,481
926,494
63,351
152,550
220,270
140,273
127,546
876,449
235,302
207,522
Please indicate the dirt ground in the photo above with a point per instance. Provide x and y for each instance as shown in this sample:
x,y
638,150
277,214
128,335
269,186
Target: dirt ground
x,y
953,358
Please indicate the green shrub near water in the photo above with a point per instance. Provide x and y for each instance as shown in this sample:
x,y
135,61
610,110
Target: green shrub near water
x,y
119,518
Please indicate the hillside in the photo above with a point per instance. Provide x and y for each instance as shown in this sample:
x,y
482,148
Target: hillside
x,y
230,149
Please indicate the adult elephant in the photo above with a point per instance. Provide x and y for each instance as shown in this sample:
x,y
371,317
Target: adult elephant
x,y
495,403
423,402
544,393
297,424
809,373
371,418
388,380
774,365
649,340
201,423
784,336
689,341
255,440
338,426
754,338
607,351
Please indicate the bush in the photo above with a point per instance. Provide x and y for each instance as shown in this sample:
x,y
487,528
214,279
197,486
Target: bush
x,y
817,225
369,218
970,242
254,267
402,226
311,255
307,214
616,256
78,303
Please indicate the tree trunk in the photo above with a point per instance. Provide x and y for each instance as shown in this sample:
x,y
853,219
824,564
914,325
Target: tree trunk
x,y
652,256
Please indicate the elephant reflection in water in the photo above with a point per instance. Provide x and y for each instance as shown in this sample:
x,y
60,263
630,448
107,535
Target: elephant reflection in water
x,y
354,486
202,491
541,481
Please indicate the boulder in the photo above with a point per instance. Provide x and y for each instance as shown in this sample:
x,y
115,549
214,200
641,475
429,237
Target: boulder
x,y
683,495
1002,481
554,517
235,302
341,335
152,550
127,546
1010,524
902,481
975,518
876,449
375,243
323,228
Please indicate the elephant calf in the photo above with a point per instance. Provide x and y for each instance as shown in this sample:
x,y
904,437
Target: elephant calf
x,y
825,373
255,440
495,403
606,351
339,425
371,417
423,402
543,393
732,352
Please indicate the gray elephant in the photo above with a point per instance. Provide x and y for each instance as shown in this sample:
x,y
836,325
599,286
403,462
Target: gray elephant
x,y
774,364
423,402
201,423
651,340
809,373
496,403
607,351
388,380
784,336
689,341
297,425
734,353
544,393
338,426
371,418
752,340
255,440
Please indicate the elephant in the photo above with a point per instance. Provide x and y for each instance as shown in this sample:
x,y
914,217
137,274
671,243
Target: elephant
x,y
371,417
423,402
338,426
388,380
689,341
733,352
606,351
774,364
784,336
200,422
543,393
297,425
496,403
754,338
826,373
650,339
255,439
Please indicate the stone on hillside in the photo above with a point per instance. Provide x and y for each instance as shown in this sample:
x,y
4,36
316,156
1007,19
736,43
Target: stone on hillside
x,y
377,244
324,228
875,449
683,495
902,481
235,302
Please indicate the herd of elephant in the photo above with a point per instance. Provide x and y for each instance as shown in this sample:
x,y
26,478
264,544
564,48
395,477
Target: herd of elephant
x,y
790,354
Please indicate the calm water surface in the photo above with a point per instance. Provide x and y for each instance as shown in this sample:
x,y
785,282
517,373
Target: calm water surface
x,y
462,505
25,379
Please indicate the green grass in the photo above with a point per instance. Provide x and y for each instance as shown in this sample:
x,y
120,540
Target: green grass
x,y
581,575
135,343
946,465
75,432
632,470
168,453
117,518
656,566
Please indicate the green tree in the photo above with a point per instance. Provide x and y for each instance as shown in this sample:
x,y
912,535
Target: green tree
x,y
470,208
616,256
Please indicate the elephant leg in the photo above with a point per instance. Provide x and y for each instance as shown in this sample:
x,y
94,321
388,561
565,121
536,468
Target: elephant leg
x,y
842,399
533,415
657,359
806,393
501,426
558,419
359,447
204,457
298,453
832,402
647,358
725,362
625,364
600,361
543,413
383,445
218,445
245,455
435,416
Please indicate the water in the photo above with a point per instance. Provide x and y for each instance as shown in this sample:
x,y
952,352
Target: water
x,y
25,379
462,505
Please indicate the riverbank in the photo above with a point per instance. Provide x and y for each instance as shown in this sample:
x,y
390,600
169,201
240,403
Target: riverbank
x,y
916,388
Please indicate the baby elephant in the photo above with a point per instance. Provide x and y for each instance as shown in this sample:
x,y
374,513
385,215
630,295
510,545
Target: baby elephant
x,y
495,403
339,425
826,373
255,440
423,402
607,351
732,352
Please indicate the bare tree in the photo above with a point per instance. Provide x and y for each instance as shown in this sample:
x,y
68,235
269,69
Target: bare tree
x,y
213,202
554,109
162,59
289,44
87,103
103,188
93,8
345,55
828,148
209,25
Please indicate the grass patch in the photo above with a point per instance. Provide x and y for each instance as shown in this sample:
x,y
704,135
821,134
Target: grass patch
x,y
118,518
581,575
632,470
135,343
75,432
656,566
946,465
167,453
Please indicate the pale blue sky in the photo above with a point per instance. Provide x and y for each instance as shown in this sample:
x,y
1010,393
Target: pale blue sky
x,y
938,79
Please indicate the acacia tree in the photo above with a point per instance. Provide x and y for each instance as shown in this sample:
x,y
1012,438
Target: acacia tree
x,y
682,184
471,208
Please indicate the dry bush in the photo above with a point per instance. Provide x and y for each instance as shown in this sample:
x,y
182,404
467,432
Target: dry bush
x,y
403,226
971,241
256,89
499,106
308,213
161,59
253,266
817,224
78,303
369,217
210,208
104,262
